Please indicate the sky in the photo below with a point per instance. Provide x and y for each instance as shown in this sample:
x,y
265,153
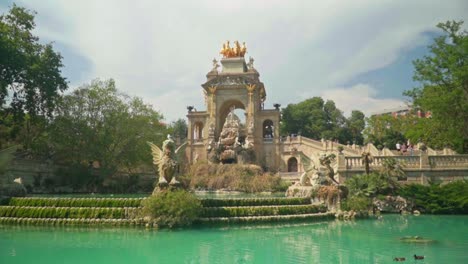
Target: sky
x,y
357,53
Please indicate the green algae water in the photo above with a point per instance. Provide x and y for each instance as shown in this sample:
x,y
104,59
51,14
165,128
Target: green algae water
x,y
361,241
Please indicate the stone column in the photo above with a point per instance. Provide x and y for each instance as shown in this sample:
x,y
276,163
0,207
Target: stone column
x,y
424,165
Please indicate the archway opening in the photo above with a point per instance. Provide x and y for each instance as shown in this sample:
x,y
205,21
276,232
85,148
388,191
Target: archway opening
x,y
198,132
268,129
239,111
292,164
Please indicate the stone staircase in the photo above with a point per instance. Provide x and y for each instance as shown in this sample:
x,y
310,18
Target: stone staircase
x,y
226,211
71,211
124,211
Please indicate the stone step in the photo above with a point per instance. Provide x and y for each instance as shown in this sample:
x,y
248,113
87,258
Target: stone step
x,y
71,221
271,218
68,212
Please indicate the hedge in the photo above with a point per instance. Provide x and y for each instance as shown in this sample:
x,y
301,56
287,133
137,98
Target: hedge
x,y
67,212
261,210
76,202
254,202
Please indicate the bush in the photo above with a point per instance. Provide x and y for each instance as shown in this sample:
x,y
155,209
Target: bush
x,y
451,198
13,190
356,203
172,208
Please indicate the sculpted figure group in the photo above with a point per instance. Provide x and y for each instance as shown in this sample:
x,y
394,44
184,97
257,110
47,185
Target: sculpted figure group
x,y
314,176
236,51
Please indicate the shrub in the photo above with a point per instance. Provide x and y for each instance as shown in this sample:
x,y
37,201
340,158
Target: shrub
x,y
451,198
13,190
356,203
172,208
235,177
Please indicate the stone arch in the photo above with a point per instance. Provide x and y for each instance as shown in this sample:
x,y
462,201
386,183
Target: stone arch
x,y
268,129
225,108
197,133
292,164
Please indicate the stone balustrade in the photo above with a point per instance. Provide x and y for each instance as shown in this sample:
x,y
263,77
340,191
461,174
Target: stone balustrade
x,y
422,168
449,161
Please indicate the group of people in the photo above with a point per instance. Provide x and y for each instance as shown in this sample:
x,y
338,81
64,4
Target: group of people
x,y
405,148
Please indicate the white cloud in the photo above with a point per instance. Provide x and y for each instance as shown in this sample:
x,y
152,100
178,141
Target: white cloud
x,y
160,50
360,97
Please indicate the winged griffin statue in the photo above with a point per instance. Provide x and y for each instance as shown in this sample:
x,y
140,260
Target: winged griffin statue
x,y
167,160
314,176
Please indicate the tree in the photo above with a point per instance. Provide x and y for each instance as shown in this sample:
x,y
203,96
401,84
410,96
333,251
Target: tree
x,y
443,76
387,130
30,72
316,119
356,124
98,123
179,129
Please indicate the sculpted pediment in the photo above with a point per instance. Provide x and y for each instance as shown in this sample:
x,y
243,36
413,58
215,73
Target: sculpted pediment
x,y
230,80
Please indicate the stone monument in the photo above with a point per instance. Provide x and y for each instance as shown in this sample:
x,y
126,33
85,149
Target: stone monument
x,y
167,161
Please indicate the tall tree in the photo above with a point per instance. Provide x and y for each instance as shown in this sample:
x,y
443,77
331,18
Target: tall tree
x,y
30,72
356,124
179,129
444,89
98,123
317,119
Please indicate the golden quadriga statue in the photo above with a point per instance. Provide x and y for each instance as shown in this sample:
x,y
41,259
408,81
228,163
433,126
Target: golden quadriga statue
x,y
167,160
236,51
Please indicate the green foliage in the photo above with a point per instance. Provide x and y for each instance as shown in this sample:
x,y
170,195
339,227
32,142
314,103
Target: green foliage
x,y
261,210
65,212
387,130
317,119
12,190
451,198
444,90
29,71
76,202
371,185
179,129
172,208
96,123
254,202
356,203
392,169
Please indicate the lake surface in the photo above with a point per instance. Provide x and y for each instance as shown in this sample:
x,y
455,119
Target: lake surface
x,y
361,241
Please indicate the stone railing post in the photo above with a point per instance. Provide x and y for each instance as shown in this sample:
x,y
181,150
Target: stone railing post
x,y
341,167
424,160
424,166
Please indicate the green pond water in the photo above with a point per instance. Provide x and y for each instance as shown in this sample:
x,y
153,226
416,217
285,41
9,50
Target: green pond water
x,y
361,241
